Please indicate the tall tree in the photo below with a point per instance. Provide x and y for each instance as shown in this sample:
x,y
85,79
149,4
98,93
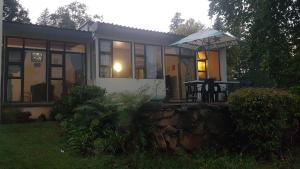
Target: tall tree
x,y
269,30
14,11
184,27
176,22
45,18
69,16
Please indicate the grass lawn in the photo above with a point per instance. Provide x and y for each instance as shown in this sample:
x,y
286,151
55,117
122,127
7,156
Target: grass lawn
x,y
38,146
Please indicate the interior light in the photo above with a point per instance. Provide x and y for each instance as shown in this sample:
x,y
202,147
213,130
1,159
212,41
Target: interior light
x,y
118,67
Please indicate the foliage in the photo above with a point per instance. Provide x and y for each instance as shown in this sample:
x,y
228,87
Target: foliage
x,y
14,115
295,90
41,148
14,11
262,117
96,122
185,27
269,30
78,95
44,18
70,16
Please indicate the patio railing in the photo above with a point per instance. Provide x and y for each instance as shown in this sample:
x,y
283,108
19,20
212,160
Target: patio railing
x,y
209,90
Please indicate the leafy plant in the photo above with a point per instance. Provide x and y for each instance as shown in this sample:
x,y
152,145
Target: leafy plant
x,y
263,117
96,122
78,95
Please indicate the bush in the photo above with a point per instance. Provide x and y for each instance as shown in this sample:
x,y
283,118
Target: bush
x,y
95,122
15,115
78,95
263,117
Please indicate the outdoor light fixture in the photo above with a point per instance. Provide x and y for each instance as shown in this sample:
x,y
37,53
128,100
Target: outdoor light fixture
x,y
118,67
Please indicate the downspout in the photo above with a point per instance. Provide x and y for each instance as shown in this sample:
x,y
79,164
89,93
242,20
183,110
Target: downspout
x,y
1,45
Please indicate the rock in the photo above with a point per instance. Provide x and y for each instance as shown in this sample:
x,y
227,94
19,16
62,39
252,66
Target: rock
x,y
171,121
160,141
190,142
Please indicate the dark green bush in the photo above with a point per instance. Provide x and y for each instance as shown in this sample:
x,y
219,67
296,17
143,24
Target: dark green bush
x,y
15,115
263,117
78,95
95,122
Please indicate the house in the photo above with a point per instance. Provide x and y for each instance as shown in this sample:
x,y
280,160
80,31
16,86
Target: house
x,y
42,63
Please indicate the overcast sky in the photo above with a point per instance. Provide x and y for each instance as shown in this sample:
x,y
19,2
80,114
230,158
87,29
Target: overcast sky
x,y
146,14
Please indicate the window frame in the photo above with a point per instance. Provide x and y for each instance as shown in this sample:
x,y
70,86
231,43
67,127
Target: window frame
x,y
111,53
145,59
48,52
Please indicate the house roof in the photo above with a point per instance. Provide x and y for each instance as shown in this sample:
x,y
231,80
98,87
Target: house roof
x,y
44,32
119,32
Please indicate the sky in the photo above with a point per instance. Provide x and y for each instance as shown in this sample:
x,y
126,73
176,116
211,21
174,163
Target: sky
x,y
146,14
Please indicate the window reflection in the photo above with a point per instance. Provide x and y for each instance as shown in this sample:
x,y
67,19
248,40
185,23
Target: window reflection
x,y
35,86
74,70
13,91
154,62
121,59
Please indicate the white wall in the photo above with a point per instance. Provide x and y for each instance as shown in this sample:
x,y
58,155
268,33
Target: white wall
x,y
154,87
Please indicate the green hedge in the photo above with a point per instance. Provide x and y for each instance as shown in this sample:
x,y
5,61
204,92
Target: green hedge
x,y
263,117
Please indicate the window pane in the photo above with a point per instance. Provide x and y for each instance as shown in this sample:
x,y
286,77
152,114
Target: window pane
x,y
201,75
105,59
201,55
56,90
201,66
57,46
14,56
187,52
14,71
13,90
172,50
121,59
35,87
213,65
72,47
56,72
154,62
74,70
35,44
105,71
105,46
139,49
57,58
15,42
139,67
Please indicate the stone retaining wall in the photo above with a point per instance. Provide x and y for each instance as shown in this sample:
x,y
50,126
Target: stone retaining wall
x,y
188,126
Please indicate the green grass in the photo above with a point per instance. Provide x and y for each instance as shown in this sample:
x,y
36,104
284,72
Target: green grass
x,y
38,146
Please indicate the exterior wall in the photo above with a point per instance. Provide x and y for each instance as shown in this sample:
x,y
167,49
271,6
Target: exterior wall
x,y
223,64
154,87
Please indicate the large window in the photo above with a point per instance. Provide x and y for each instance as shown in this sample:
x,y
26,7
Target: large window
x,y
115,59
37,75
148,62
208,65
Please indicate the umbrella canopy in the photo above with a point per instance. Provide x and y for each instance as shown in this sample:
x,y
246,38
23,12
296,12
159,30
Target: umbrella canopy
x,y
206,40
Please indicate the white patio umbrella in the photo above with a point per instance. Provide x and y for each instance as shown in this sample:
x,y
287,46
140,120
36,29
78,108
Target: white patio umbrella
x,y
206,40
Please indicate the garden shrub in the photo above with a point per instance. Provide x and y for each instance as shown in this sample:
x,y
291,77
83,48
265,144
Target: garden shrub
x,y
78,95
97,122
262,117
15,115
